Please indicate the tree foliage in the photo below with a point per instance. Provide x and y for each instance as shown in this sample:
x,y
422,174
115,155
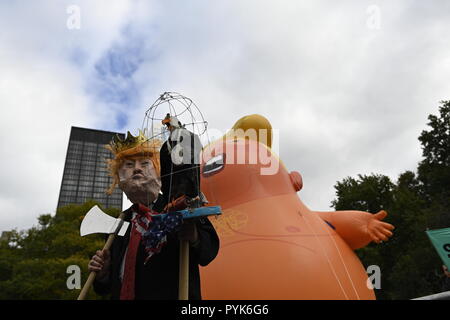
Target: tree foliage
x,y
33,263
415,202
434,169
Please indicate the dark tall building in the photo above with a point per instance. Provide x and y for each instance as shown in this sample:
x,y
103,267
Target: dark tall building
x,y
85,173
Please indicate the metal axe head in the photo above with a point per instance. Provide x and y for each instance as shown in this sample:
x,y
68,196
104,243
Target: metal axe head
x,y
96,221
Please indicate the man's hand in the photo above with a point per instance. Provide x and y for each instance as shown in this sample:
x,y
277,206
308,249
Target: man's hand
x,y
179,203
188,231
444,268
379,231
100,263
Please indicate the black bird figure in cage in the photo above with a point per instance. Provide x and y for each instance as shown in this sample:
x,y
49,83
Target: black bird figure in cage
x,y
180,167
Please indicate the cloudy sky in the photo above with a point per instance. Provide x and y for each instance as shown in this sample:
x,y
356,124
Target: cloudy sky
x,y
348,84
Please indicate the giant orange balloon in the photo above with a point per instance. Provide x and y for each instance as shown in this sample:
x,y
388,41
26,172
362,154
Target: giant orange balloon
x,y
272,246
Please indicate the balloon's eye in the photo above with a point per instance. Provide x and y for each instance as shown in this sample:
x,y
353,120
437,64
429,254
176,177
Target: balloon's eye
x,y
214,165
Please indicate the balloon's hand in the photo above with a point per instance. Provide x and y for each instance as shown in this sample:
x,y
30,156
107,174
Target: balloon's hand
x,y
378,230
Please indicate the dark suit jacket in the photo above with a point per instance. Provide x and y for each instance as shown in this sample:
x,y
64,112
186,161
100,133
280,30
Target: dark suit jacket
x,y
158,279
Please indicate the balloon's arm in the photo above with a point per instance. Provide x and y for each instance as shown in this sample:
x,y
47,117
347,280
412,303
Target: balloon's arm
x,y
359,228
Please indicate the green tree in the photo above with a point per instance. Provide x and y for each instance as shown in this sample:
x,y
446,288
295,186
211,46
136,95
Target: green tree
x,y
367,193
410,266
33,263
434,169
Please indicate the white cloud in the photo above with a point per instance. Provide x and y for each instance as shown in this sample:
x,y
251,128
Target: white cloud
x,y
42,95
347,99
40,101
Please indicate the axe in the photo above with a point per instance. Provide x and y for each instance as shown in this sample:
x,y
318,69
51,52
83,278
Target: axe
x,y
96,221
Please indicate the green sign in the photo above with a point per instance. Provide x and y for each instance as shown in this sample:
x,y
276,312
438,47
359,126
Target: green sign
x,y
441,240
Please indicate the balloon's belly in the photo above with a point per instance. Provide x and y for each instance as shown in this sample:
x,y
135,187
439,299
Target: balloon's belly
x,y
288,253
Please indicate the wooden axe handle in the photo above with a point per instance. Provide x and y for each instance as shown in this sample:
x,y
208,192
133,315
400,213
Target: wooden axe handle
x,y
93,274
183,280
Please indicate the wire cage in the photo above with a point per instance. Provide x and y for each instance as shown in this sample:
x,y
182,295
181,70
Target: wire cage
x,y
178,177
178,106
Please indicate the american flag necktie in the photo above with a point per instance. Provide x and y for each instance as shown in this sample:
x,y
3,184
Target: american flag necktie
x,y
138,223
